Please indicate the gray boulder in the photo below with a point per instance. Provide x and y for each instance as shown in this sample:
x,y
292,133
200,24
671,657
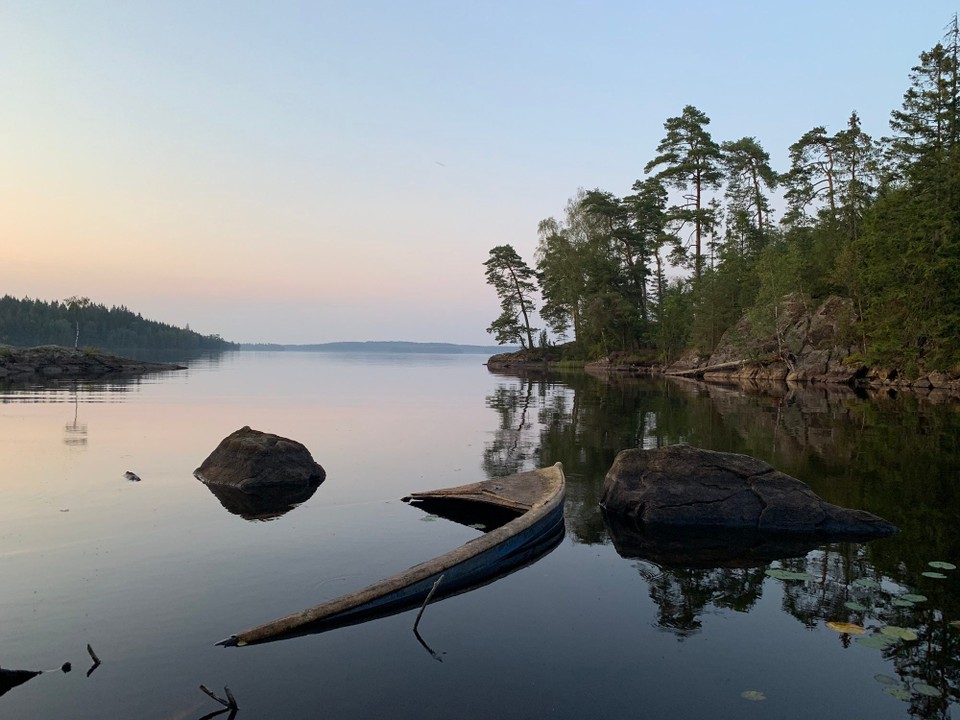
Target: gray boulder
x,y
252,461
684,486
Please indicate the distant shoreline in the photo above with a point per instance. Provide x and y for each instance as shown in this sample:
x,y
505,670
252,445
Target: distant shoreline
x,y
379,346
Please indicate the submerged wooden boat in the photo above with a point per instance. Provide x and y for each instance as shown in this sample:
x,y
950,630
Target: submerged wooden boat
x,y
534,501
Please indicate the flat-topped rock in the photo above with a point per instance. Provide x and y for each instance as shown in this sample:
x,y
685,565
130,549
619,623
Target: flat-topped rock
x,y
682,486
252,461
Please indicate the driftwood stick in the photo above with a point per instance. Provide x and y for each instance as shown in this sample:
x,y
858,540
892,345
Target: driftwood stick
x,y
96,660
426,600
231,703
709,368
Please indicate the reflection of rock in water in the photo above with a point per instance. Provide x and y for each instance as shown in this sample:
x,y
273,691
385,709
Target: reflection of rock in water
x,y
690,548
9,679
264,503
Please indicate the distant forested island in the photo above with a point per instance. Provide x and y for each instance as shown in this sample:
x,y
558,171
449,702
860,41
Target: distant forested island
x,y
384,347
714,244
78,321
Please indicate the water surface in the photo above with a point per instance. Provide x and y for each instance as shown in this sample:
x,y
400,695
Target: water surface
x,y
152,574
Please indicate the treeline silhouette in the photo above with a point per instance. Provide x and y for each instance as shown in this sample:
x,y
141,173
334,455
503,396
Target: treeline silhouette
x,y
28,322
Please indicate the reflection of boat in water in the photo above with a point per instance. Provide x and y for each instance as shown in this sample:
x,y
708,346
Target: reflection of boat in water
x,y
530,507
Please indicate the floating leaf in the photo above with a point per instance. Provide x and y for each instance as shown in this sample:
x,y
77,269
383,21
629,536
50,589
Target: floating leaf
x,y
898,692
855,606
867,583
900,602
876,641
914,597
899,632
781,574
934,575
886,679
428,518
754,695
845,627
479,526
941,565
928,690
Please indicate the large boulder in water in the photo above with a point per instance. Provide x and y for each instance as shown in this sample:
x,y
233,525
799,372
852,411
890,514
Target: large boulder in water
x,y
684,486
254,461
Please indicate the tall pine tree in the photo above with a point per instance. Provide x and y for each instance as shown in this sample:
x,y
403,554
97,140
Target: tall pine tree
x,y
689,160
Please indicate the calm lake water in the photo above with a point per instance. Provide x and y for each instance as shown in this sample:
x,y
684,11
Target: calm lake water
x,y
153,574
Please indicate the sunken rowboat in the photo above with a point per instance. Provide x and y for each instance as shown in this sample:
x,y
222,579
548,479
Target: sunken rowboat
x,y
527,509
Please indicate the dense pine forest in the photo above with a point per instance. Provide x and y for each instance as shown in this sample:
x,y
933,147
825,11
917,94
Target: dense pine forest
x,y
77,321
712,233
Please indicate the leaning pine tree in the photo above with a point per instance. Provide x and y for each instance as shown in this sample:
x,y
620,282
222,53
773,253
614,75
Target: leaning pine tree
x,y
513,280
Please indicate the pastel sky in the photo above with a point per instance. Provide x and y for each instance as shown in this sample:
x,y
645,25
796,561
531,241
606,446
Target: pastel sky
x,y
318,171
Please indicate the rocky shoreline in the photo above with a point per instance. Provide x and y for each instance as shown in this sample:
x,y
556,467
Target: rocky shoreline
x,y
808,344
48,362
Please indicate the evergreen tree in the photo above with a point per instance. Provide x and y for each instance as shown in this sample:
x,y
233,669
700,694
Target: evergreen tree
x,y
647,208
749,179
858,165
689,160
909,255
812,176
614,216
513,280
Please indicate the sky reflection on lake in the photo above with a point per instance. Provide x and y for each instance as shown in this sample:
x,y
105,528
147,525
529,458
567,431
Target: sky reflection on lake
x,y
153,573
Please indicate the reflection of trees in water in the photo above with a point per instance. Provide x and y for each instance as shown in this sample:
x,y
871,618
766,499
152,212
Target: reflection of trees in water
x,y
839,572
61,391
897,456
514,441
683,595
75,433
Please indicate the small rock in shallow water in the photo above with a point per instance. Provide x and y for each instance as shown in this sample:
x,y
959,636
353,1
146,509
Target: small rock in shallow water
x,y
131,476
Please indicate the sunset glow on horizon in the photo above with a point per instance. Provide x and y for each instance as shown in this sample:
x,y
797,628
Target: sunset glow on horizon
x,y
314,172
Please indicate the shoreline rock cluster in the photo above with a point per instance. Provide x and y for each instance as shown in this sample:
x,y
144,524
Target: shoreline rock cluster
x,y
805,344
54,361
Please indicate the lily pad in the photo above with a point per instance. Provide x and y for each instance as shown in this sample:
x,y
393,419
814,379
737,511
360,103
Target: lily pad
x,y
928,690
845,627
934,575
428,518
754,695
781,574
900,602
479,526
941,565
868,583
898,692
899,633
876,641
885,679
913,597
855,606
